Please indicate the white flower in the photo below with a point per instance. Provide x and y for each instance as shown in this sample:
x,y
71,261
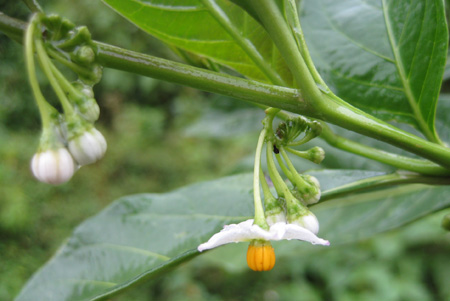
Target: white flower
x,y
88,148
53,166
247,231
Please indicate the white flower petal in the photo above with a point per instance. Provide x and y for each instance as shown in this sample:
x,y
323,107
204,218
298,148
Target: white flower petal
x,y
297,232
246,231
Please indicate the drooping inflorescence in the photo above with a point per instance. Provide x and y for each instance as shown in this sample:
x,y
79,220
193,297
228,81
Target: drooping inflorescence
x,y
286,215
69,138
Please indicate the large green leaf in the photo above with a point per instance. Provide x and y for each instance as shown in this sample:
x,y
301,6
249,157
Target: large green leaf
x,y
139,237
386,57
217,30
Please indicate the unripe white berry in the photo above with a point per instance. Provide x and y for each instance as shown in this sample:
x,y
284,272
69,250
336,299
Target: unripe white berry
x,y
88,147
53,166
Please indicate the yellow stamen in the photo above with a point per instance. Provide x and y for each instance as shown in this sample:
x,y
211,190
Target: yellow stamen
x,y
260,256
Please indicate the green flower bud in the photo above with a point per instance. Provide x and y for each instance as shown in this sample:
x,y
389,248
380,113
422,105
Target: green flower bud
x,y
84,55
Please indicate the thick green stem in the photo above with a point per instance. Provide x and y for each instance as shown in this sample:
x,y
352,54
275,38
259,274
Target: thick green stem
x,y
253,91
331,108
356,120
275,24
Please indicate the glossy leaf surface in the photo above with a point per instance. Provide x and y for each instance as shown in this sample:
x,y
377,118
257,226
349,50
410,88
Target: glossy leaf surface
x,y
139,237
386,57
217,30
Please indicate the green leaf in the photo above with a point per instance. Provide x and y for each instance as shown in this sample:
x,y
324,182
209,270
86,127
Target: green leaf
x,y
443,117
217,30
386,57
139,237
361,216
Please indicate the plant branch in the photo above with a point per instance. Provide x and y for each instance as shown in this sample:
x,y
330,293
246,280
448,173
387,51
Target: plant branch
x,y
249,90
402,162
381,181
311,101
34,6
330,107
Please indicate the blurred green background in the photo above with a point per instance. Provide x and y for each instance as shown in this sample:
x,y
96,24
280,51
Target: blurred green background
x,y
161,136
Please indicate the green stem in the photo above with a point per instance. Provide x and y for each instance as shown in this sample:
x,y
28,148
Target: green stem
x,y
43,106
381,181
273,21
303,48
260,219
65,84
34,6
295,177
265,187
402,162
66,62
331,108
249,90
277,180
45,62
344,115
283,167
12,27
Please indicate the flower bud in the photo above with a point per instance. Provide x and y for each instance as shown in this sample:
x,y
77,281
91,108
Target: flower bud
x,y
308,221
84,55
89,109
88,148
53,166
316,154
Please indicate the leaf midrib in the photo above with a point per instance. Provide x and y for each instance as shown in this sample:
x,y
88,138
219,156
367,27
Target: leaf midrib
x,y
404,79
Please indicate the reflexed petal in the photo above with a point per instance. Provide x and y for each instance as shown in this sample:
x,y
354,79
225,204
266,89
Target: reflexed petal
x,y
246,231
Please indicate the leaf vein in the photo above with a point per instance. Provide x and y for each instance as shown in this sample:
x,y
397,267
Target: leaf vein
x,y
359,45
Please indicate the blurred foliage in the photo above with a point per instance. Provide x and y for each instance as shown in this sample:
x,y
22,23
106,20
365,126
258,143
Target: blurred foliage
x,y
154,146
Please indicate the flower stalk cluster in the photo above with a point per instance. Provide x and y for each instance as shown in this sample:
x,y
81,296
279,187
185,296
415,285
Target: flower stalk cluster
x,y
69,138
286,215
